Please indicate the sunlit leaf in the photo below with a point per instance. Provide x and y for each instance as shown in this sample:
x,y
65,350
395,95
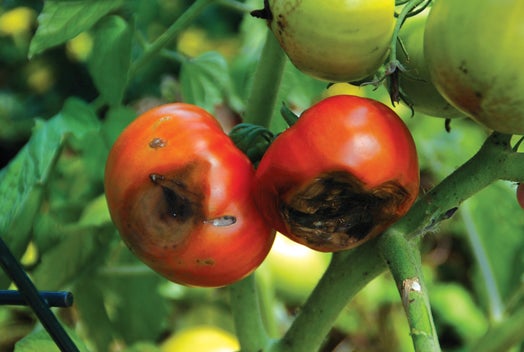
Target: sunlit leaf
x,y
63,20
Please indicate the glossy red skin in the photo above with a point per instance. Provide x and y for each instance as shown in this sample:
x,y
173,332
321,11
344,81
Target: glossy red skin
x,y
197,153
520,195
341,133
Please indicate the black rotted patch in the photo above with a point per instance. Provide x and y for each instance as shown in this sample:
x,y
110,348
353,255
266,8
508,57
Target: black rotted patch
x,y
335,210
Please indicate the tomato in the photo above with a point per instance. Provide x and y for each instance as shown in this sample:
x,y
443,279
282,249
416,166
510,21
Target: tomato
x,y
474,51
201,339
520,195
415,82
333,40
344,172
294,269
180,194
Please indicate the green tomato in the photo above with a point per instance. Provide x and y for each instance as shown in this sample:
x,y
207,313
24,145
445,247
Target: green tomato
x,y
334,40
475,51
415,82
294,269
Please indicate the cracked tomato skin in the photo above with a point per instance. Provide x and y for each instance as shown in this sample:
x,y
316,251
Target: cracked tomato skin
x,y
180,194
343,173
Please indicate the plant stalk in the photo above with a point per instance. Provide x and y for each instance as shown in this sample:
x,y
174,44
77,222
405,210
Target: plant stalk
x,y
404,262
268,75
165,38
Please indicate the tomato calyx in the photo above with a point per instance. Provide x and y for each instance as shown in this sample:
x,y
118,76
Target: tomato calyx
x,y
252,140
336,209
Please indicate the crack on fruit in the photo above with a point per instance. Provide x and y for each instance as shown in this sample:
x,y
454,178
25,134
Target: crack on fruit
x,y
336,210
226,220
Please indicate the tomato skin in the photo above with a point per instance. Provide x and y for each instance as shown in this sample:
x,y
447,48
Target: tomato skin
x,y
475,50
180,194
334,40
350,143
202,338
415,81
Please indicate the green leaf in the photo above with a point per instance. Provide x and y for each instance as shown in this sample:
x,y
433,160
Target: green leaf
x,y
494,225
60,21
40,341
111,57
81,250
117,118
89,300
23,180
206,82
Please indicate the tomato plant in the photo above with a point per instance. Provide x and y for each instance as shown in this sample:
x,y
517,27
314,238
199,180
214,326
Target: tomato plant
x,y
75,74
179,192
341,175
333,40
479,71
415,81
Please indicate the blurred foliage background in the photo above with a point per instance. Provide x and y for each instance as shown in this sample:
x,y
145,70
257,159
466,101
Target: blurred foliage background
x,y
474,262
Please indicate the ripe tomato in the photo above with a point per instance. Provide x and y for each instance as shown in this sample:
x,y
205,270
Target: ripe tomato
x,y
334,40
339,176
474,51
416,82
520,195
180,194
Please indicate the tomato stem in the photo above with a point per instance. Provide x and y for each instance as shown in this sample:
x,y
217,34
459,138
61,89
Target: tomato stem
x,y
247,316
404,262
266,82
165,38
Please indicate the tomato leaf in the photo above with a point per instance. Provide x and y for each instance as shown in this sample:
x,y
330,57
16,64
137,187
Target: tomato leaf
x,y
23,180
495,235
206,82
63,20
111,57
39,340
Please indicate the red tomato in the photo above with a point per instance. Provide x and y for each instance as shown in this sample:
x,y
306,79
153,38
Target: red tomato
x,y
341,175
180,194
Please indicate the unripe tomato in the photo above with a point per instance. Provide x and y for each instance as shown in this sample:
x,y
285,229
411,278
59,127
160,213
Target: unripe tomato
x,y
334,40
180,194
201,339
294,269
344,172
475,50
415,81
520,195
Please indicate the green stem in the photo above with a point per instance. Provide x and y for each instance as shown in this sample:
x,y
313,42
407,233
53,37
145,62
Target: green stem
x,y
403,259
266,81
495,160
247,316
352,270
244,300
165,38
504,335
